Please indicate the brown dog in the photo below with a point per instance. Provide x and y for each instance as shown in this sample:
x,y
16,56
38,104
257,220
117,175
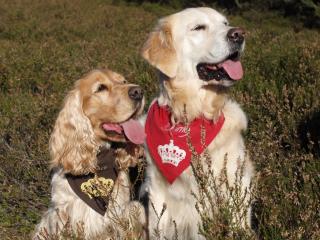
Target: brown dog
x,y
89,150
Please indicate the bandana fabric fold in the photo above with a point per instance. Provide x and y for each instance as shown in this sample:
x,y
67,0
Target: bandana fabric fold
x,y
168,145
109,171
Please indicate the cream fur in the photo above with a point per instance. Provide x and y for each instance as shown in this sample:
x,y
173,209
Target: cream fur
x,y
181,88
67,206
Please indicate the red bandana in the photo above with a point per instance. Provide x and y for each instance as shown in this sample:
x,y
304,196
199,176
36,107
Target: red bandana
x,y
168,144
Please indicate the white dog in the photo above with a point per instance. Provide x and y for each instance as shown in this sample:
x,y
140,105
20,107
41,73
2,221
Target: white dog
x,y
197,54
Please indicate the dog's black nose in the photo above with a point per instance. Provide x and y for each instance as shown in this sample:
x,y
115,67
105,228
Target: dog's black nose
x,y
236,35
135,93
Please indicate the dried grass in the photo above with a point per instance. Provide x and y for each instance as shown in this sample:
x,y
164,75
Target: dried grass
x,y
46,45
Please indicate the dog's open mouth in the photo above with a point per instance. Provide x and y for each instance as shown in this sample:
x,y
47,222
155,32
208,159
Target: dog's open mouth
x,y
130,129
229,69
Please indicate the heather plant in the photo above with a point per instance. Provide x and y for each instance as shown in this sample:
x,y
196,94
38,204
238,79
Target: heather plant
x,y
223,206
47,45
66,233
125,222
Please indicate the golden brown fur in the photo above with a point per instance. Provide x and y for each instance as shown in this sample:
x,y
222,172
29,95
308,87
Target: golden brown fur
x,y
77,133
99,97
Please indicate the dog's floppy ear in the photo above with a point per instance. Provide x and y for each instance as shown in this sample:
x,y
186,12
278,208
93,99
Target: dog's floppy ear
x,y
159,50
72,145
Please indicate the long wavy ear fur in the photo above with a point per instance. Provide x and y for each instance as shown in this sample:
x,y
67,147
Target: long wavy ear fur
x,y
159,50
72,145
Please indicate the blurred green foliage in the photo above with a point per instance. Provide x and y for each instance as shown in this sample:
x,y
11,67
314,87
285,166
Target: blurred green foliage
x,y
306,11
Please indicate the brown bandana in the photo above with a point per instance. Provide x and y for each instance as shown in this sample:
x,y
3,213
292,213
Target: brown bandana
x,y
95,189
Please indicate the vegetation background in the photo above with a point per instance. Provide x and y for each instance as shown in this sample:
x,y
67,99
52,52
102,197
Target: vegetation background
x,y
45,45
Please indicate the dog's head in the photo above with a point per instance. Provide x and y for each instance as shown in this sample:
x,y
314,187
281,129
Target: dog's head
x,y
101,108
199,43
110,103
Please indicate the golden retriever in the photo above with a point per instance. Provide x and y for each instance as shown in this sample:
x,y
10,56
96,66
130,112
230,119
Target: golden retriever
x,y
91,137
197,56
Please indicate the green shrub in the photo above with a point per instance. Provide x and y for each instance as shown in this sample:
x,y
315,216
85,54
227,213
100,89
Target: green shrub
x,y
306,11
47,45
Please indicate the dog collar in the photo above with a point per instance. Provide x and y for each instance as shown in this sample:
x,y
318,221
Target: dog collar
x,y
95,188
168,144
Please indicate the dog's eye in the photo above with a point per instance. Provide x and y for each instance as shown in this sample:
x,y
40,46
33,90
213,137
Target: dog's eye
x,y
199,27
226,23
102,87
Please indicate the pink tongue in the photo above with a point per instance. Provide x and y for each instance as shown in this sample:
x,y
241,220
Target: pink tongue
x,y
112,127
234,69
134,131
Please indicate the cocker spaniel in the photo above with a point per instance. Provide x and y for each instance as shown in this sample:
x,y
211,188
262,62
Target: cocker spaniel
x,y
94,141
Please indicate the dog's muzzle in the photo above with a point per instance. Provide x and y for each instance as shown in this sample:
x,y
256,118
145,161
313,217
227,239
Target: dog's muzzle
x,y
229,70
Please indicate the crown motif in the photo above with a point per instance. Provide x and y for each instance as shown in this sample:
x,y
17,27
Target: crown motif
x,y
171,154
97,187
